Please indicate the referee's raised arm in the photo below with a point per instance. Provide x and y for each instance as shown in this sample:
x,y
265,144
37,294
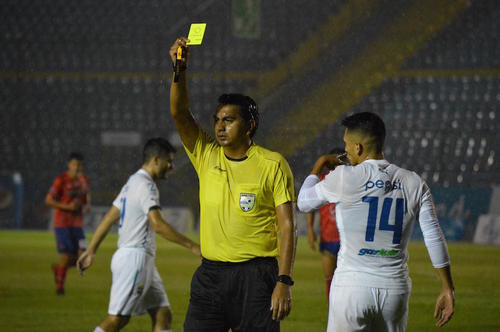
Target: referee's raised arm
x,y
179,99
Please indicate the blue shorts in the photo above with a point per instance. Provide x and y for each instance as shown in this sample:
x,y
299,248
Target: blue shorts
x,y
70,240
331,247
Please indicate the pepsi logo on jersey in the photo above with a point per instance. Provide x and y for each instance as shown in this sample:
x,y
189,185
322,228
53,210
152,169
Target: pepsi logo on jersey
x,y
387,185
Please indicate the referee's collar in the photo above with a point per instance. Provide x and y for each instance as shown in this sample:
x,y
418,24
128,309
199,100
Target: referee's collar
x,y
248,153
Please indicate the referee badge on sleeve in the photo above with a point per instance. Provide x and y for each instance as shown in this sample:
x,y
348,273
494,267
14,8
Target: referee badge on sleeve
x,y
247,201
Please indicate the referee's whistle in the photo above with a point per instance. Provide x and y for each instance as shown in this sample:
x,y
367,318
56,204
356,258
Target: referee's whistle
x,y
178,63
179,53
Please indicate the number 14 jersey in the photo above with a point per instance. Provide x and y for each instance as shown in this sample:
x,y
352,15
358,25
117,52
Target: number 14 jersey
x,y
377,205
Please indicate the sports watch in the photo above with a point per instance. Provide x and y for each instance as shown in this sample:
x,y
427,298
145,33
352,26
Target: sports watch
x,y
287,280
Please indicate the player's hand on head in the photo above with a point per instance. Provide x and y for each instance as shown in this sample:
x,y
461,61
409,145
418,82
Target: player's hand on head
x,y
332,160
445,306
281,301
329,161
179,42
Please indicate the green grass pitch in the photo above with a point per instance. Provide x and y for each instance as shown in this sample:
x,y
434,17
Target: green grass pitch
x,y
28,301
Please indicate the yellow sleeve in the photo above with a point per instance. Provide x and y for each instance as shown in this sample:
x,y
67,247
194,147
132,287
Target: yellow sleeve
x,y
283,184
199,151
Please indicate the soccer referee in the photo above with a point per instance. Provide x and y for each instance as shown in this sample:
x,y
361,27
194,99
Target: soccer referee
x,y
246,196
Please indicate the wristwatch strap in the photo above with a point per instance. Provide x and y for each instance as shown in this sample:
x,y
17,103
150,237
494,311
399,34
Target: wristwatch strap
x,y
287,280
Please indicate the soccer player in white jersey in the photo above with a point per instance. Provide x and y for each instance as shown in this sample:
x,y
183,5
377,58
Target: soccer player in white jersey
x,y
137,287
377,205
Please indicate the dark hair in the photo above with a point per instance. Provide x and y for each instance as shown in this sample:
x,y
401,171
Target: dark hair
x,y
368,124
248,107
337,151
156,146
75,155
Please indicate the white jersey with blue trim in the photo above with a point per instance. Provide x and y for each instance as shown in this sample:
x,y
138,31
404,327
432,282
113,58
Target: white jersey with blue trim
x,y
377,204
136,198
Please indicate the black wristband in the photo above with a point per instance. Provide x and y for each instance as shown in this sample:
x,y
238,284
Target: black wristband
x,y
287,280
182,67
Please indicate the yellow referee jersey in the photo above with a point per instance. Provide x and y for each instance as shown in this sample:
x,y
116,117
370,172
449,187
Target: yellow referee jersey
x,y
238,200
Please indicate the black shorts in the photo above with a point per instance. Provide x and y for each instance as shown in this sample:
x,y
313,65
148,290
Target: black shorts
x,y
234,296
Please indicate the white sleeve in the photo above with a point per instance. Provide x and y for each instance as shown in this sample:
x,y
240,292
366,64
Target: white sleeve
x,y
118,200
149,197
331,187
309,199
433,236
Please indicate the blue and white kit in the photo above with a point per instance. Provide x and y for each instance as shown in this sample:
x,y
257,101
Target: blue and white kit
x,y
377,205
137,285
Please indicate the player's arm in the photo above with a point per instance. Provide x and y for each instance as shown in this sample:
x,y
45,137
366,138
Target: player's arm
x,y
87,257
438,253
53,203
88,202
281,299
309,197
179,102
329,161
311,237
445,303
161,227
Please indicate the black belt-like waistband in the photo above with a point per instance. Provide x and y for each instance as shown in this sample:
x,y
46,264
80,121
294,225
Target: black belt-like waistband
x,y
209,262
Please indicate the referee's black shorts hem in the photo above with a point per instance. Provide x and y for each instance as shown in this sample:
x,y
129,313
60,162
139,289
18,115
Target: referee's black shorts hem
x,y
234,296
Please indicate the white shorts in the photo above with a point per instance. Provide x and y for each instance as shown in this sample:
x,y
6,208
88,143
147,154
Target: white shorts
x,y
367,309
137,285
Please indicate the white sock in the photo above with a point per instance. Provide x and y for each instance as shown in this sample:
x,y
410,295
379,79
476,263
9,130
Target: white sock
x,y
98,329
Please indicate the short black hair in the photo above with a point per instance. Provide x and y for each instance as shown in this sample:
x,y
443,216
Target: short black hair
x,y
75,155
368,124
337,151
156,146
248,107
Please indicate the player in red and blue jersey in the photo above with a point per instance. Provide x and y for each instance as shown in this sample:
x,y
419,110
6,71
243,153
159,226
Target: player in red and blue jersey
x,y
329,244
69,195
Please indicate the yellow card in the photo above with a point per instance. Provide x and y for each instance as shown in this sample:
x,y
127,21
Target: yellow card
x,y
196,32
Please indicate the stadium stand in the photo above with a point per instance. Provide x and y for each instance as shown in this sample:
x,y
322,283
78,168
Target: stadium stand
x,y
71,71
447,134
443,122
470,41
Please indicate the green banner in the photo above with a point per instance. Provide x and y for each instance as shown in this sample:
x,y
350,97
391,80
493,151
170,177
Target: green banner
x,y
246,18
